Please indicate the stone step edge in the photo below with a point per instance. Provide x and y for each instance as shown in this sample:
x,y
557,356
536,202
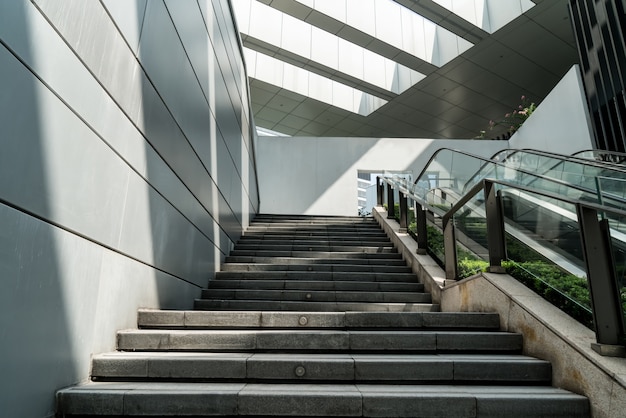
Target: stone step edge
x,y
364,341
241,399
336,297
303,367
148,318
313,306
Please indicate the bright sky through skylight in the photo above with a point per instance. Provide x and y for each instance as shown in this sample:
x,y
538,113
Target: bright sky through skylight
x,y
279,73
395,25
489,15
336,55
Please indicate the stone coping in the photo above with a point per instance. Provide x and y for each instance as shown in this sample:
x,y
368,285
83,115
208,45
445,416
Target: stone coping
x,y
549,333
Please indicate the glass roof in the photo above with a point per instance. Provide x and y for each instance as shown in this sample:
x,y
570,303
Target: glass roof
x,y
298,80
306,49
489,15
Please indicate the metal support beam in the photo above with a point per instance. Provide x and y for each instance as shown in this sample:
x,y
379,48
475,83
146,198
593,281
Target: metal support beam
x,y
422,232
404,213
495,228
391,209
603,287
380,191
449,247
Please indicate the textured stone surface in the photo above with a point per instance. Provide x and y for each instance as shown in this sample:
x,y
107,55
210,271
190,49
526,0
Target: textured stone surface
x,y
393,341
303,400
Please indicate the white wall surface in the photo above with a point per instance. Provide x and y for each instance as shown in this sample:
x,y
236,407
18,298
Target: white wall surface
x,y
318,176
561,123
126,173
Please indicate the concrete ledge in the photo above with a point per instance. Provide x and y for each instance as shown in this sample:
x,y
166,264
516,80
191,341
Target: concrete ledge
x,y
427,270
549,333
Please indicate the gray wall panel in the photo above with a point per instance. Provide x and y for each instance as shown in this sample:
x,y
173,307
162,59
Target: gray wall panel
x,y
125,175
128,16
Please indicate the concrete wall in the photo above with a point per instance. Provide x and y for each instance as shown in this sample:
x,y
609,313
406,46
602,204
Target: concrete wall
x,y
318,176
126,174
561,123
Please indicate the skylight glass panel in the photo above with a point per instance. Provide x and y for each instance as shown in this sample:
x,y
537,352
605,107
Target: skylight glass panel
x,y
311,43
298,80
489,15
397,26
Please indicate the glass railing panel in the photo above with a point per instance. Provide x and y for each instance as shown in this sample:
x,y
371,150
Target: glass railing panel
x,y
471,234
611,187
618,243
611,157
544,251
449,171
434,231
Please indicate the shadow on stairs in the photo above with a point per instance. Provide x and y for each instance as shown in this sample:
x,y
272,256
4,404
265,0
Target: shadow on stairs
x,y
317,316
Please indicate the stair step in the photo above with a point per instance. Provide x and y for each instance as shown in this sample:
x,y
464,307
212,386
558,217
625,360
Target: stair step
x,y
348,400
274,305
314,276
336,268
317,248
367,253
314,218
319,341
437,368
314,226
315,241
316,285
309,235
393,260
315,295
148,318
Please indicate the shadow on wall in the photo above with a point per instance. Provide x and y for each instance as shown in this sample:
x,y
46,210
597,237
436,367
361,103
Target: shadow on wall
x,y
193,127
36,352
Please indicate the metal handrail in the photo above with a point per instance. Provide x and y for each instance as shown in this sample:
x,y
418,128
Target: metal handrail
x,y
595,239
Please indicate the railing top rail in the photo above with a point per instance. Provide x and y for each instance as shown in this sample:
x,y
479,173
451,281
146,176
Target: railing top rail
x,y
480,186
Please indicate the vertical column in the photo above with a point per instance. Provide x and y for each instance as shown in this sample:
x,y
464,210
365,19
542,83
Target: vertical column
x,y
404,215
449,247
495,228
391,210
380,191
422,232
603,287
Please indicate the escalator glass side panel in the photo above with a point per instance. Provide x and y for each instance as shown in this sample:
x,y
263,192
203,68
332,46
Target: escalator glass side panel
x,y
544,251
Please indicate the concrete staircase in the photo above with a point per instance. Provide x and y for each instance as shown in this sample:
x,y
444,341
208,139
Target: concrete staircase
x,y
315,316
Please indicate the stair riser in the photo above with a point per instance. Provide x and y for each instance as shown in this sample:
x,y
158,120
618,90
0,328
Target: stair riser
x,y
373,254
300,320
315,242
316,248
258,305
290,368
333,341
392,260
315,268
316,276
232,399
315,296
317,285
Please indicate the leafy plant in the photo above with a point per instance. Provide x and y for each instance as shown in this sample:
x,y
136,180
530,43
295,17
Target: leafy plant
x,y
513,120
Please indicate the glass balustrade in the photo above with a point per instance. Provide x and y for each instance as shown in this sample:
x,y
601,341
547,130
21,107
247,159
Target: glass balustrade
x,y
542,233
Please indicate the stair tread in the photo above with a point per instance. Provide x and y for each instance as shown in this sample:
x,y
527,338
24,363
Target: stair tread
x,y
259,399
301,319
251,304
322,367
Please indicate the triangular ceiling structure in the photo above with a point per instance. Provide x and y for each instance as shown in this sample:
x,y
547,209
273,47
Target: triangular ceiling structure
x,y
403,68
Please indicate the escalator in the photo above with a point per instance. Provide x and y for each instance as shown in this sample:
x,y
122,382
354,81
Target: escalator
x,y
538,194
